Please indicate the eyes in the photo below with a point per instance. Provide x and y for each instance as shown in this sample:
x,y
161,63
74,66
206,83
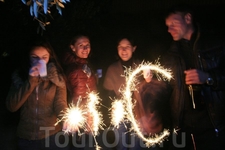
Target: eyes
x,y
35,58
124,47
82,46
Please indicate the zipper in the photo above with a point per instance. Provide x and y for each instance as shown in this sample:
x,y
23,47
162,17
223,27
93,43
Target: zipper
x,y
36,110
200,62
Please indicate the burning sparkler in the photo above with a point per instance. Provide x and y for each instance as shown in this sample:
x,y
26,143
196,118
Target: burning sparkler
x,y
126,101
73,118
93,102
117,110
76,118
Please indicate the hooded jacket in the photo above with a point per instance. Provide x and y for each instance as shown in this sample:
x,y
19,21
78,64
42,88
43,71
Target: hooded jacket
x,y
40,101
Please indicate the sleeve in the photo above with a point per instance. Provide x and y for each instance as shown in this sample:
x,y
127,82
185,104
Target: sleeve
x,y
216,63
60,101
108,81
17,96
73,78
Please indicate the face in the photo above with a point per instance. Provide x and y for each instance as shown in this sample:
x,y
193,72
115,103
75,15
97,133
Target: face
x,y
178,26
125,49
82,47
39,53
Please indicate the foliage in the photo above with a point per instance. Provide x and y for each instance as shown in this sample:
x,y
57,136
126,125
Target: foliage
x,y
41,9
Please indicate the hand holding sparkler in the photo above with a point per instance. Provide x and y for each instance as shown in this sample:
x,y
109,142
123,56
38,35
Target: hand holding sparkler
x,y
127,104
147,74
73,119
85,118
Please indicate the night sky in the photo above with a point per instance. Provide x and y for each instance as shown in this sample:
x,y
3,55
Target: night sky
x,y
104,21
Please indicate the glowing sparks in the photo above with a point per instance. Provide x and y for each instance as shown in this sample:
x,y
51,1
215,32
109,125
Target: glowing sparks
x,y
73,118
131,81
117,113
93,102
83,118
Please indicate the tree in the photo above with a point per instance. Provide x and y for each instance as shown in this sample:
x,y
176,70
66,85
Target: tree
x,y
41,9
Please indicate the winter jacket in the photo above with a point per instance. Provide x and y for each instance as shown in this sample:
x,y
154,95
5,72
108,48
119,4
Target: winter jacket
x,y
149,101
80,78
40,101
115,79
209,56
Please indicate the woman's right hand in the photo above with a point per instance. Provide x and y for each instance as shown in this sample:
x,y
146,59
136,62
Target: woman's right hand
x,y
34,70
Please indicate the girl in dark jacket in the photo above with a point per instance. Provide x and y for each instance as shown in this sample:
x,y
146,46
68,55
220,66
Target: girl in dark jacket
x,y
38,90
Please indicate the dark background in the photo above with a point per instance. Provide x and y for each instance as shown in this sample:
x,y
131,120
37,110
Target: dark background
x,y
104,21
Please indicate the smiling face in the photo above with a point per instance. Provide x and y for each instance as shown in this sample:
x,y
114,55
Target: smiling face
x,y
125,49
39,53
179,26
81,47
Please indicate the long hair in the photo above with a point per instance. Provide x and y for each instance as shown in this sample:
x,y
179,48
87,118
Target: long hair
x,y
38,42
75,38
155,97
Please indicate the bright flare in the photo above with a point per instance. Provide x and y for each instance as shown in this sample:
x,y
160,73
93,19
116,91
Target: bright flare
x,y
84,118
73,118
131,82
117,113
97,121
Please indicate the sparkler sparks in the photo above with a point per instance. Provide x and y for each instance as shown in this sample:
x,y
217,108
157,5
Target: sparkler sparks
x,y
131,81
77,118
118,111
73,118
93,102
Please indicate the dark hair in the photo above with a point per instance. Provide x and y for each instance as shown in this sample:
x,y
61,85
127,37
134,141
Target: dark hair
x,y
183,9
156,98
35,42
155,95
75,38
128,37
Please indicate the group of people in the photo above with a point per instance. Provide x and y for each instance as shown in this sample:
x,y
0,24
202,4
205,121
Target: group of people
x,y
191,105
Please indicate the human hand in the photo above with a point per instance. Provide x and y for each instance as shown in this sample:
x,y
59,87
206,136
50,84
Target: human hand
x,y
195,76
147,75
66,127
34,70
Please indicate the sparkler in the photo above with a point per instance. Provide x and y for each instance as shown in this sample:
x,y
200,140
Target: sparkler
x,y
77,118
131,81
93,102
73,118
118,111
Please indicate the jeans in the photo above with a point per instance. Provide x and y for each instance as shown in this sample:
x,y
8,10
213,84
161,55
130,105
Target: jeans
x,y
57,141
130,141
82,142
125,139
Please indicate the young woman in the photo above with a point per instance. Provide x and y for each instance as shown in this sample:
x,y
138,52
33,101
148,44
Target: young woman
x,y
81,80
113,81
38,90
80,76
